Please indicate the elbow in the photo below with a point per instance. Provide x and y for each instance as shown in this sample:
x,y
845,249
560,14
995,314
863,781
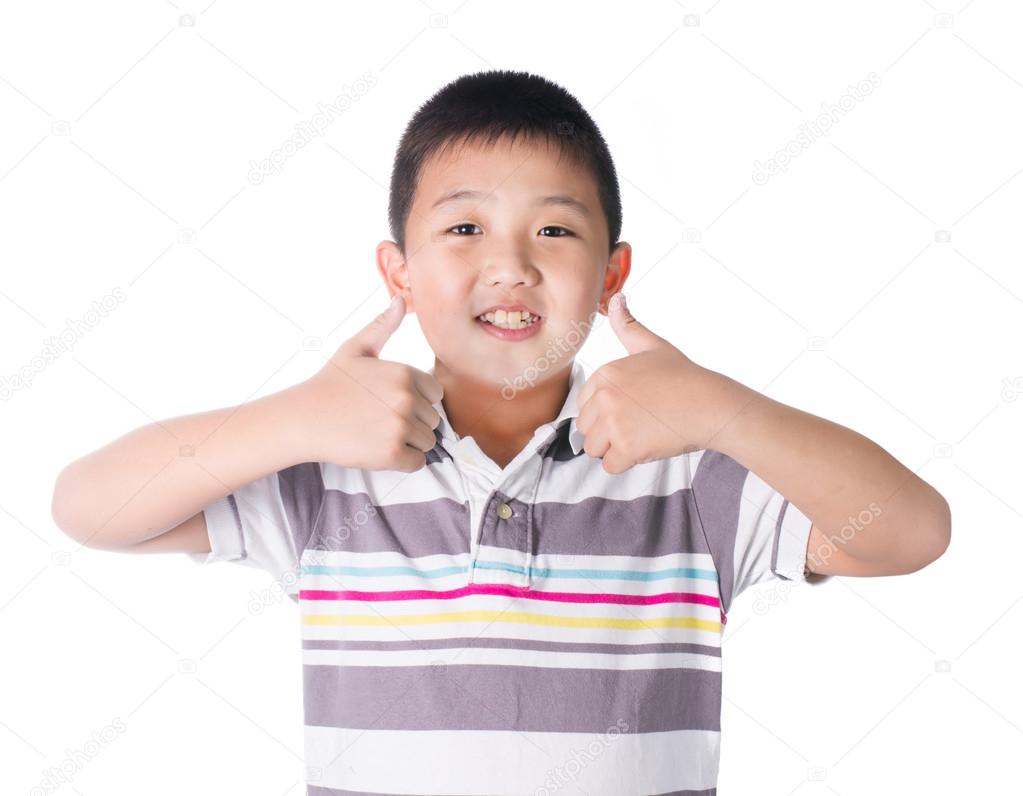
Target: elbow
x,y
937,538
942,530
62,508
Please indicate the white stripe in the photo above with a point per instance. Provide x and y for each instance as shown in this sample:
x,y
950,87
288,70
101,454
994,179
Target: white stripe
x,y
392,487
498,656
584,477
572,481
634,563
454,762
392,631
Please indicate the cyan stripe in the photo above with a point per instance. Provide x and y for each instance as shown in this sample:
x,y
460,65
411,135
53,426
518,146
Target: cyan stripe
x,y
607,574
546,572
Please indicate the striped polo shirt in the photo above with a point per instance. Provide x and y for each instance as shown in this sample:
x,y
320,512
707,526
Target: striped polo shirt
x,y
543,628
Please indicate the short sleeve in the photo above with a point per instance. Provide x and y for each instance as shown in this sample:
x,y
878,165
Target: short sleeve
x,y
266,523
754,532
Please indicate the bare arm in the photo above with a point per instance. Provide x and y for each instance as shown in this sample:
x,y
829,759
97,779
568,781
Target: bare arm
x,y
146,491
160,476
871,514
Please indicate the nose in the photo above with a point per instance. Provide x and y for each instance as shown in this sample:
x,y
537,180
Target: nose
x,y
509,270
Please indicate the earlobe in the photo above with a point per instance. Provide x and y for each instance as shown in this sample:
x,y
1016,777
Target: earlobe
x,y
393,270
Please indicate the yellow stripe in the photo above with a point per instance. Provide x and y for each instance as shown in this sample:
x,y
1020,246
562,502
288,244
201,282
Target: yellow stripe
x,y
513,616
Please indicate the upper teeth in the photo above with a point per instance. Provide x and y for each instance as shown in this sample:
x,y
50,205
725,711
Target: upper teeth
x,y
510,320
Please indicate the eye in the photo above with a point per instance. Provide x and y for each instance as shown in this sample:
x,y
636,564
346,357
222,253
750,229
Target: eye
x,y
461,226
556,236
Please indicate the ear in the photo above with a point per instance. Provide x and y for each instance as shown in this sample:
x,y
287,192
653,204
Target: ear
x,y
394,271
618,267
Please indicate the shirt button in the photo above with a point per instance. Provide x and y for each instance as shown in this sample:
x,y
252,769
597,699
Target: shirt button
x,y
504,511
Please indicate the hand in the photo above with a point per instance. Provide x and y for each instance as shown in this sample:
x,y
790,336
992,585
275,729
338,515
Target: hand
x,y
363,412
655,403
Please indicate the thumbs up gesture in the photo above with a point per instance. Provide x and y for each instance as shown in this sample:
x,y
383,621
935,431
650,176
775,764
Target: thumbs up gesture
x,y
364,412
655,403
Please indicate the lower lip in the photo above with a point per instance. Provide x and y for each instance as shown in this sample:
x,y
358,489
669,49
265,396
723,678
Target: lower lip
x,y
510,334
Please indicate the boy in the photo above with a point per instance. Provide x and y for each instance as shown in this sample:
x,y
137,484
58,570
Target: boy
x,y
511,578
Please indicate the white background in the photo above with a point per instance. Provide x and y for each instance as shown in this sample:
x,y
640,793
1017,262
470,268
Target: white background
x,y
876,282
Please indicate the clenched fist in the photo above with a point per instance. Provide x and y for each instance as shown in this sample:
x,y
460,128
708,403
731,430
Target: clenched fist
x,y
364,412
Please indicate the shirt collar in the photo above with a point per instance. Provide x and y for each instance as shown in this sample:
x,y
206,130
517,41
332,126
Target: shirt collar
x,y
569,411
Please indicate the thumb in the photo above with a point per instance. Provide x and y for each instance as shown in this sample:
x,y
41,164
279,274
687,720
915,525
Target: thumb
x,y
634,335
370,340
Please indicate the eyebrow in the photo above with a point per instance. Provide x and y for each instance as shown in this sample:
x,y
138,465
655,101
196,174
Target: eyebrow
x,y
557,200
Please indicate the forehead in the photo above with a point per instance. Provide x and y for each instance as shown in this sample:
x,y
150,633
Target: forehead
x,y
521,168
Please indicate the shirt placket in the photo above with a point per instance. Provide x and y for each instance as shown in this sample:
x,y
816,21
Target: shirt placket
x,y
498,517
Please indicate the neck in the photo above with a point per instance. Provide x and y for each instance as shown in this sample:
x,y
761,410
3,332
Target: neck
x,y
479,409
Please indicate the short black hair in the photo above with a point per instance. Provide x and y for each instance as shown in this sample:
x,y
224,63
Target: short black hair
x,y
487,106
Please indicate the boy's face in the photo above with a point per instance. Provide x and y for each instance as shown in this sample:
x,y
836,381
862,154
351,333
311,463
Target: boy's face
x,y
505,245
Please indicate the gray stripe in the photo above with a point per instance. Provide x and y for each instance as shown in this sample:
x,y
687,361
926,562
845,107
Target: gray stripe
x,y
651,525
510,643
560,449
232,502
777,536
437,454
717,487
302,494
487,697
352,523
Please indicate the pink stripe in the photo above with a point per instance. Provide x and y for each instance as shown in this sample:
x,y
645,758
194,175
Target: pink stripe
x,y
512,591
